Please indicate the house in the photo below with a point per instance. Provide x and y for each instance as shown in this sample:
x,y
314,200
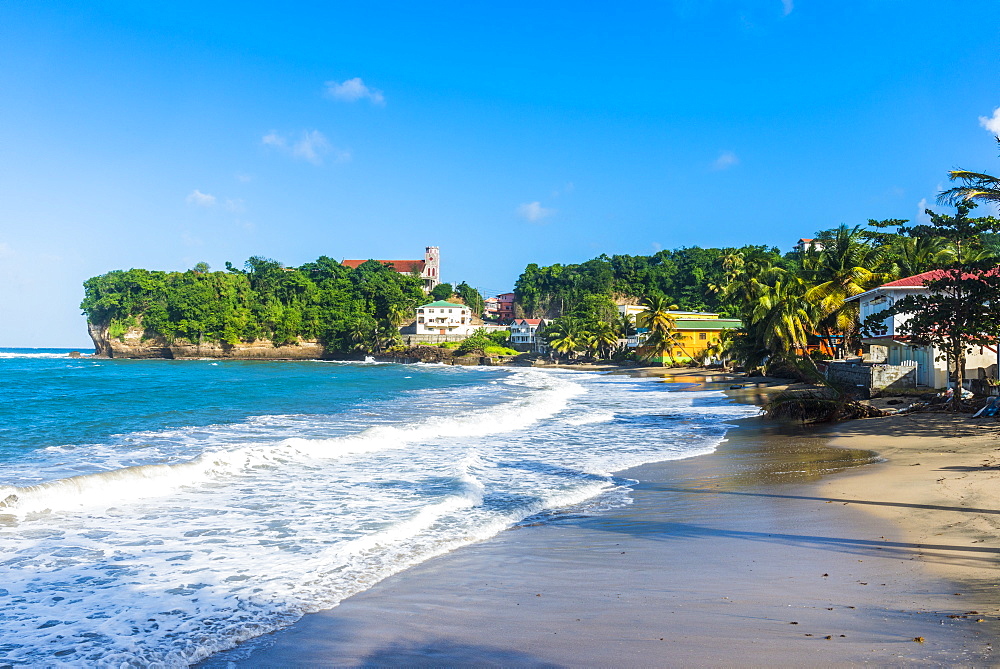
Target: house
x,y
490,307
505,307
525,334
891,348
809,245
695,330
444,318
428,269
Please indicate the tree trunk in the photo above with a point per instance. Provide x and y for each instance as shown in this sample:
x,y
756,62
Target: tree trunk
x,y
956,400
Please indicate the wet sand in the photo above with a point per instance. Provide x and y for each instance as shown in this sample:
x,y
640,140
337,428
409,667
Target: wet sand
x,y
765,552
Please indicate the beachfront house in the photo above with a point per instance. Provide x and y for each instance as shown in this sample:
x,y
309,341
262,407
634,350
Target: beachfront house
x,y
525,334
696,331
891,348
444,318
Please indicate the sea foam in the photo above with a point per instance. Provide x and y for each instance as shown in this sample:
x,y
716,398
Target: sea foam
x,y
173,544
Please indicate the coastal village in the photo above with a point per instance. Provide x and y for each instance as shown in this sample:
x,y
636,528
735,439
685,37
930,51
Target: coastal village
x,y
553,334
887,360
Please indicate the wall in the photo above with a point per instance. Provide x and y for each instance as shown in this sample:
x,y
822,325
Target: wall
x,y
414,339
874,377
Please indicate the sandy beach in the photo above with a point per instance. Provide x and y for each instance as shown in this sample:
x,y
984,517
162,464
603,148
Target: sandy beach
x,y
863,542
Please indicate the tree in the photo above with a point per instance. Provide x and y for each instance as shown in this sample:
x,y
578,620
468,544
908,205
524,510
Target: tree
x,y
846,266
975,186
442,291
660,324
959,310
566,336
605,336
472,298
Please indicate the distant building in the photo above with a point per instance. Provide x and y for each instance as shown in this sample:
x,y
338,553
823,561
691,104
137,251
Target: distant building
x,y
428,269
444,318
505,307
490,307
809,245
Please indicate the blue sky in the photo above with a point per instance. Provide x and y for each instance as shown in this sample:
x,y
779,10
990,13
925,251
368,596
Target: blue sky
x,y
135,135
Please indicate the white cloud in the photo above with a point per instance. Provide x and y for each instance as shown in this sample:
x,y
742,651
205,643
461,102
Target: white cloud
x,y
991,124
534,211
922,216
787,6
5,250
201,199
244,178
311,146
353,90
235,206
725,160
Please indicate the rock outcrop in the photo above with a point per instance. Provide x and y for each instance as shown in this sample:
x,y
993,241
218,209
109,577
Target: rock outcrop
x,y
133,344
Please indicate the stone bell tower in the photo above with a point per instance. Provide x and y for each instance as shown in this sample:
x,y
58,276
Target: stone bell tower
x,y
432,268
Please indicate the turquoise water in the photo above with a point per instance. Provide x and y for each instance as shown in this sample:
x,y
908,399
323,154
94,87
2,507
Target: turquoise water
x,y
156,511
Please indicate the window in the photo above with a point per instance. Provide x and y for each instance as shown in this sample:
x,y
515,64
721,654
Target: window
x,y
702,336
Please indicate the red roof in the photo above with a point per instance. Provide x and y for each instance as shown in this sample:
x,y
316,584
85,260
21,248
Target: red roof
x,y
401,266
529,321
916,280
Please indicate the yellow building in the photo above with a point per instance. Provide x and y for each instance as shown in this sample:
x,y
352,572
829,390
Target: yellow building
x,y
696,331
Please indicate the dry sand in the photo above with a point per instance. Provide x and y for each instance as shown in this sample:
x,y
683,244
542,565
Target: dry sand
x,y
778,549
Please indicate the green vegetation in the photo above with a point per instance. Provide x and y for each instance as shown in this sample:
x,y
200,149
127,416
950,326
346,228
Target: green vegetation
x,y
472,298
791,305
345,309
589,290
442,291
484,343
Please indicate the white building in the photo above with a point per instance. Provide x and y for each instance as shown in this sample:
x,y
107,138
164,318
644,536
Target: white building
x,y
893,348
525,334
809,245
444,318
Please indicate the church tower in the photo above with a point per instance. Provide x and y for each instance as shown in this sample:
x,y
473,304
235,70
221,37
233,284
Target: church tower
x,y
432,267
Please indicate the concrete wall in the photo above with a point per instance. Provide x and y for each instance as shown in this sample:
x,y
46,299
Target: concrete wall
x,y
874,377
414,339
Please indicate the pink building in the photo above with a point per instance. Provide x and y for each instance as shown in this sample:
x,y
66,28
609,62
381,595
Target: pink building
x,y
505,307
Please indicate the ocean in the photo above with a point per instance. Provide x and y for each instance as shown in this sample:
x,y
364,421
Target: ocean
x,y
153,512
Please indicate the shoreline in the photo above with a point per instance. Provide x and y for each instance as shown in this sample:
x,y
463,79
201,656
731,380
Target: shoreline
x,y
777,533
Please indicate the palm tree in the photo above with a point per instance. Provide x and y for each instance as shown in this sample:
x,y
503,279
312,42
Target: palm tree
x,y
660,324
915,255
566,336
847,266
605,337
781,319
976,186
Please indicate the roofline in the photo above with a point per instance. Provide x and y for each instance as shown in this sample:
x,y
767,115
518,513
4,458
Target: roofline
x,y
874,291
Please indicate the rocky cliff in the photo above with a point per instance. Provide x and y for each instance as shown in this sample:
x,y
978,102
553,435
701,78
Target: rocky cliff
x,y
131,344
